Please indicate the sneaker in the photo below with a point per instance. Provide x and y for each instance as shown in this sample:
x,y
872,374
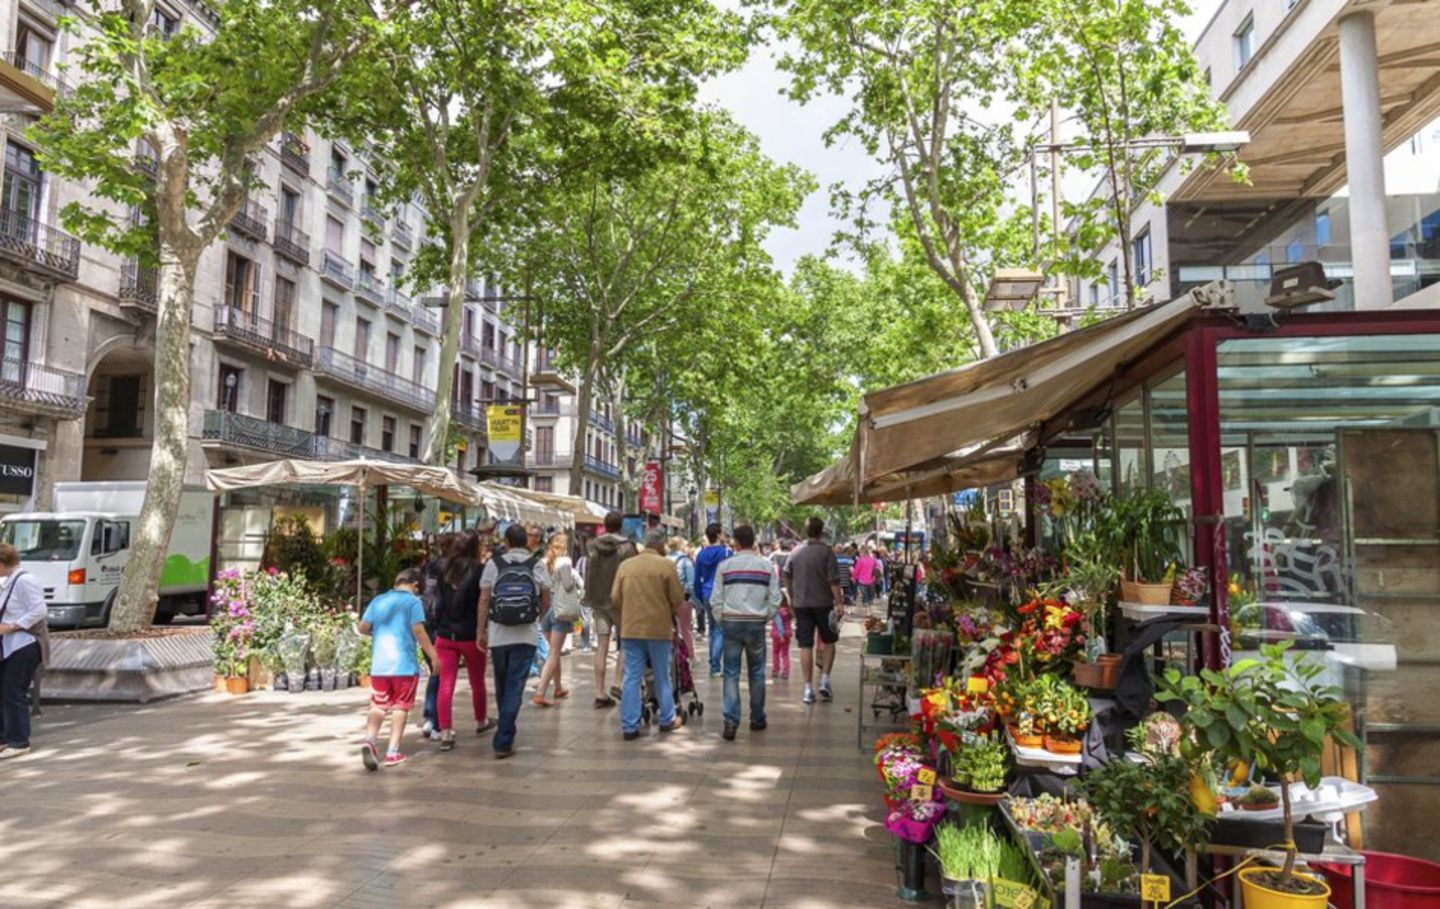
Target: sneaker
x,y
447,741
809,696
758,727
615,692
604,703
427,728
729,732
502,754
370,755
825,693
632,736
668,727
395,758
8,752
487,726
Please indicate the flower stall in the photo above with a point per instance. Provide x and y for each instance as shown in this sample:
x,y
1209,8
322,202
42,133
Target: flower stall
x,y
1225,523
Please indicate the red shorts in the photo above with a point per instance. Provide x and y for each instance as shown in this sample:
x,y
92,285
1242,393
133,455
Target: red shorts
x,y
393,692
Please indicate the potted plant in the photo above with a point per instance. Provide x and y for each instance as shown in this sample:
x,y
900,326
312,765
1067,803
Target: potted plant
x,y
1142,532
1272,714
1065,711
913,821
969,858
1090,580
981,764
1258,798
1150,803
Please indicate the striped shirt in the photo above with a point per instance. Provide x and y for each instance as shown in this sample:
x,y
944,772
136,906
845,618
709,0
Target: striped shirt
x,y
747,589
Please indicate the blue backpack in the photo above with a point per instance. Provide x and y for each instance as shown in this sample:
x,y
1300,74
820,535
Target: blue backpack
x,y
515,596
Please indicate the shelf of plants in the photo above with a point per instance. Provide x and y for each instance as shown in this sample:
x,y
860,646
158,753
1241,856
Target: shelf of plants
x,y
1025,779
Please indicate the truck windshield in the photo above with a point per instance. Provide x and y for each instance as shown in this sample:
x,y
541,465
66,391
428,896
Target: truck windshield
x,y
44,541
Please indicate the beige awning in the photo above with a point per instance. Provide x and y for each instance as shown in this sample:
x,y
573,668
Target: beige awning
x,y
426,479
576,508
513,503
1000,398
981,465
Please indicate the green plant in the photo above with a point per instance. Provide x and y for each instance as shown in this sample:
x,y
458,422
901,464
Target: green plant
x,y
295,549
1117,875
967,853
1151,802
1061,707
1259,795
982,763
1142,533
1272,713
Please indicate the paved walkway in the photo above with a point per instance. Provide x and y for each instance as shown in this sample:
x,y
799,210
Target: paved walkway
x,y
261,800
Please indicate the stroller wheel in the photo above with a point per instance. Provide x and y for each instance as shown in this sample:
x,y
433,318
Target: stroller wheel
x,y
692,708
699,709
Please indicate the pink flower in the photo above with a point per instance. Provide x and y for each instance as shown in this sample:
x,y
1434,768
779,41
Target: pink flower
x,y
272,571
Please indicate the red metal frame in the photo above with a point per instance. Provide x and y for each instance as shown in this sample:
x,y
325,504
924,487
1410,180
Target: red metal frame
x,y
1202,403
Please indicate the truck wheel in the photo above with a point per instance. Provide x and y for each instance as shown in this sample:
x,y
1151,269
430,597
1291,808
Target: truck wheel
x,y
105,610
164,615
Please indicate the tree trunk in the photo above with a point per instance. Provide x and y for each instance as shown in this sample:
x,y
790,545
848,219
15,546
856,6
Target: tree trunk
x,y
1289,815
583,399
976,310
628,485
450,333
138,593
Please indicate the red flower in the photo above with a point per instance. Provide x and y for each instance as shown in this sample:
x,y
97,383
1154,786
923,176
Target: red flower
x,y
1071,619
1029,607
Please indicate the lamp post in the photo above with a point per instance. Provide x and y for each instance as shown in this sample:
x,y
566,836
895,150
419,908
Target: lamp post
x,y
231,380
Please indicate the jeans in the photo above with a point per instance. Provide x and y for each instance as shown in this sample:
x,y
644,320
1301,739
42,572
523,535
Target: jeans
x,y
637,653
17,671
747,638
432,697
702,613
512,668
542,652
450,653
717,643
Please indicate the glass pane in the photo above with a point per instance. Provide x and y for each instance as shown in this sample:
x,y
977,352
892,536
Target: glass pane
x,y
1170,438
1130,446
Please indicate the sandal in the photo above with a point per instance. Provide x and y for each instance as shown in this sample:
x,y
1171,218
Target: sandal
x,y
561,693
602,703
540,701
486,725
447,740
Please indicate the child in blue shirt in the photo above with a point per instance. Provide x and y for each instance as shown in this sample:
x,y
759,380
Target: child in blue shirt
x,y
395,623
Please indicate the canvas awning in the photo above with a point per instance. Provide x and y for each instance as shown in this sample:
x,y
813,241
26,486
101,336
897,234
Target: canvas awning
x,y
981,465
576,509
511,503
425,479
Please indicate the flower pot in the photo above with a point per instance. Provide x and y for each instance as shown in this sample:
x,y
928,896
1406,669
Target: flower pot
x,y
1261,896
880,644
956,793
1090,675
965,894
237,684
365,681
219,682
1063,744
1027,741
1145,594
1259,806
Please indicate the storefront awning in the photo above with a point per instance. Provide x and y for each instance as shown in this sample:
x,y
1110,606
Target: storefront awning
x,y
980,465
576,509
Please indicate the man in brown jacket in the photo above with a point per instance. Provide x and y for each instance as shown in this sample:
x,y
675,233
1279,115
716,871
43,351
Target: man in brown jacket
x,y
647,595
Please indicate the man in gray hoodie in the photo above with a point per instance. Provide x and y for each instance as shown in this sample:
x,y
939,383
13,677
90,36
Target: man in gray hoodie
x,y
744,600
602,559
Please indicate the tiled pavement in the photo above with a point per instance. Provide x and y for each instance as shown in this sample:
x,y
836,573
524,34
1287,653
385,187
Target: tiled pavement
x,y
261,801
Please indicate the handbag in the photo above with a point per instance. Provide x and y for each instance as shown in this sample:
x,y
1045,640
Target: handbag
x,y
568,593
40,631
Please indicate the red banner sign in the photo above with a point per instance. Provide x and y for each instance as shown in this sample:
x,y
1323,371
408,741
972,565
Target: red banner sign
x,y
652,486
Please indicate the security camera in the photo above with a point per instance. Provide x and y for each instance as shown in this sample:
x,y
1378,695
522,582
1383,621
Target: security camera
x,y
1300,285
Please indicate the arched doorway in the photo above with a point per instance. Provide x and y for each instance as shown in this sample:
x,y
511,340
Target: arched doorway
x,y
119,423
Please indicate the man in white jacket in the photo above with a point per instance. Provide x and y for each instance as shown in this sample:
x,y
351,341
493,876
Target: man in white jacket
x,y
744,601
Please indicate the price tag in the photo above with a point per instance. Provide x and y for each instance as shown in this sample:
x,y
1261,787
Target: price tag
x,y
977,684
922,793
926,776
1155,887
1010,895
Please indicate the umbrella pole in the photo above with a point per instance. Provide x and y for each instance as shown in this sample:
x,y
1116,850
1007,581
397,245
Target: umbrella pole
x,y
360,558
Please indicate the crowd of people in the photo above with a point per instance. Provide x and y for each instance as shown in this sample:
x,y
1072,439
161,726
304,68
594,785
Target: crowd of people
x,y
516,604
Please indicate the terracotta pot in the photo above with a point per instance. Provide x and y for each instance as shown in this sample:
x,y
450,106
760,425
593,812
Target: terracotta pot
x,y
1246,806
1145,594
1026,741
364,681
958,793
219,682
237,685
1063,744
1089,675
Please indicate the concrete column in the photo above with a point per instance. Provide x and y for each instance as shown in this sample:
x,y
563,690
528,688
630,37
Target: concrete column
x,y
1365,161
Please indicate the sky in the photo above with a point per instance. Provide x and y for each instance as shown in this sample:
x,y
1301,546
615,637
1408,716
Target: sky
x,y
794,133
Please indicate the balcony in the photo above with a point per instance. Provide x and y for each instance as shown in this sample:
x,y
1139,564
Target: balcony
x,y
337,270
402,236
551,460
263,336
23,85
38,246
370,211
490,356
240,431
469,345
292,242
139,288
250,220
295,154
597,466
470,416
339,186
601,422
374,380
327,449
35,388
370,288
398,304
147,163
422,319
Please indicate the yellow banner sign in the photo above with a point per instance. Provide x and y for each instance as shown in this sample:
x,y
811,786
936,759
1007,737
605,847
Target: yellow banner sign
x,y
502,422
1155,887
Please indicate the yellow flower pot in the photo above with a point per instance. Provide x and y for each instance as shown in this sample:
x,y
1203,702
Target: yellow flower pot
x,y
1259,896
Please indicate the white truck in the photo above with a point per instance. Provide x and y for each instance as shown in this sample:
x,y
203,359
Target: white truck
x,y
78,551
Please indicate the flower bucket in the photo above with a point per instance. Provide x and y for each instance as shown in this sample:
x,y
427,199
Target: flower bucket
x,y
965,894
912,831
1259,896
219,682
1145,594
237,684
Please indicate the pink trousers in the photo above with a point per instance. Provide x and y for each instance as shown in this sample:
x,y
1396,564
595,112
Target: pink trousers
x,y
450,652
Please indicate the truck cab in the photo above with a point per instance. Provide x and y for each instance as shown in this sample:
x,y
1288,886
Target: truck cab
x,y
76,556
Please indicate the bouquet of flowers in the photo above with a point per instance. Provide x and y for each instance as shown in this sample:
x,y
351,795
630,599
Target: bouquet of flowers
x,y
1192,587
912,821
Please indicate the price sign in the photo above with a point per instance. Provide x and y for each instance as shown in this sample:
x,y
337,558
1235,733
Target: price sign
x,y
926,776
1155,887
1011,895
977,684
922,793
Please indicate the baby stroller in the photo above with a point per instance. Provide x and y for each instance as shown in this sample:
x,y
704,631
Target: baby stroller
x,y
682,681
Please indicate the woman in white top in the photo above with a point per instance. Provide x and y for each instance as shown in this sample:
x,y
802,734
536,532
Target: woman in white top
x,y
22,610
565,592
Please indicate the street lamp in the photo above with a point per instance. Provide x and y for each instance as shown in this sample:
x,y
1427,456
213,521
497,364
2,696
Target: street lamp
x,y
231,380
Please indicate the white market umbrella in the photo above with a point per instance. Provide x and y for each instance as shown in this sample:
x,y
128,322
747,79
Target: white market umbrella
x,y
360,473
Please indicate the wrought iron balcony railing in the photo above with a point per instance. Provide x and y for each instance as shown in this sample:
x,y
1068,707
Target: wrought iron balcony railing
x,y
370,211
336,269
490,356
259,435
295,154
469,344
139,287
35,244
471,416
292,242
35,387
275,341
602,422
40,74
422,319
339,186
250,220
402,235
378,382
595,465
371,288
398,304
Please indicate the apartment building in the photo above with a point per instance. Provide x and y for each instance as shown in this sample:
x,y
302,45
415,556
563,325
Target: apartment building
x,y
554,425
1341,100
304,342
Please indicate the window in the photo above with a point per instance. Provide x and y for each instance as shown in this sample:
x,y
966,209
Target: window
x,y
417,366
487,336
544,484
1209,79
1094,294
544,445
414,441
229,388
32,49
392,353
1294,252
1322,228
1112,278
1244,42
357,425
397,272
370,191
367,257
362,339
329,312
487,391
1140,251
289,206
242,287
14,339
283,306
324,407
120,407
275,395
338,164
387,433
23,183
164,23
469,323
334,236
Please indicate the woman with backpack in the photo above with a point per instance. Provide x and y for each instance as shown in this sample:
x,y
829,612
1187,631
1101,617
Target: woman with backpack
x,y
458,591
565,592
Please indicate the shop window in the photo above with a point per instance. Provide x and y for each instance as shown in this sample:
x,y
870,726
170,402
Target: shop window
x,y
229,388
1130,449
1169,437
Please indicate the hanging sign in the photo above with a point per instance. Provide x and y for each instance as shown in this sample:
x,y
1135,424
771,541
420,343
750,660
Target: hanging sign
x,y
652,484
17,470
502,429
